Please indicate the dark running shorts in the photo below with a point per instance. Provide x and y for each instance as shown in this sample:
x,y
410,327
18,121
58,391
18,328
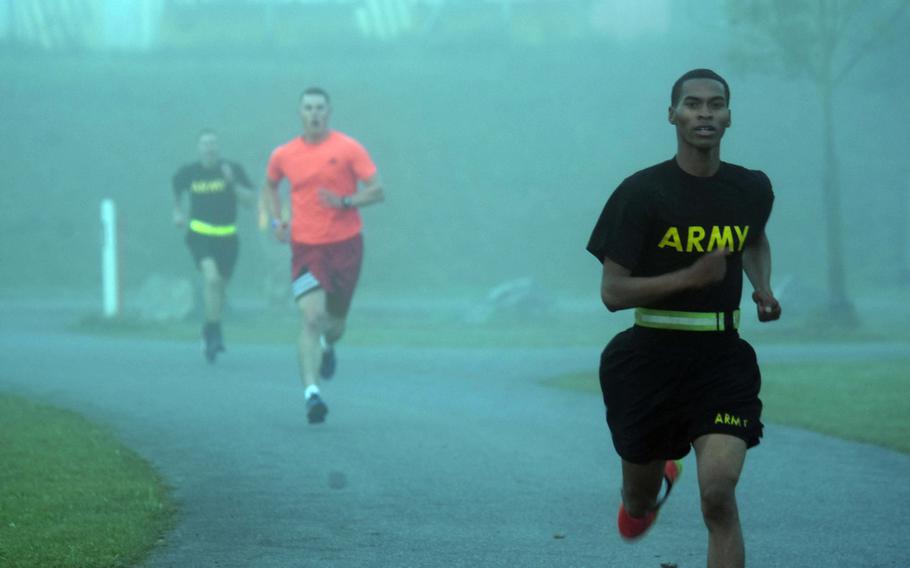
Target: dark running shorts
x,y
663,389
333,267
223,250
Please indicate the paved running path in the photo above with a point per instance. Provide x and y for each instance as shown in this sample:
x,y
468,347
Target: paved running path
x,y
433,458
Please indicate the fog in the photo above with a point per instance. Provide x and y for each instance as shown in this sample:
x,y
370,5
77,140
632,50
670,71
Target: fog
x,y
499,130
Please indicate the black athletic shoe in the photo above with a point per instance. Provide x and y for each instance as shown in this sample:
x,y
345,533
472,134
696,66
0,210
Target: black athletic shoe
x,y
316,409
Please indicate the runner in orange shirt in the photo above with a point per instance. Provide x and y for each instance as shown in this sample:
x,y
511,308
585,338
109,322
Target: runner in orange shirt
x,y
323,168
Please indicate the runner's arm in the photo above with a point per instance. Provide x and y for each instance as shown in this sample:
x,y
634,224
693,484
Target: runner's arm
x,y
243,189
177,214
271,199
370,193
272,203
757,265
619,290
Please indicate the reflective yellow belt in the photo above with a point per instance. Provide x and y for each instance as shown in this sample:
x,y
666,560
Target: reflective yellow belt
x,y
204,228
685,321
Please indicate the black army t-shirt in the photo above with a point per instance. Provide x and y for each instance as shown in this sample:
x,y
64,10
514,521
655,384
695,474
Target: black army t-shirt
x,y
662,219
212,196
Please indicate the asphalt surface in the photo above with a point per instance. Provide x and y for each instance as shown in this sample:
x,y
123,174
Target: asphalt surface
x,y
435,458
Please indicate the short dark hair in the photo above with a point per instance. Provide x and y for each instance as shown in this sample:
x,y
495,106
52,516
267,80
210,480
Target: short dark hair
x,y
315,91
676,93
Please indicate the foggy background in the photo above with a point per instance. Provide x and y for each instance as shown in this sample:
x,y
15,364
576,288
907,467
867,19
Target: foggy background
x,y
499,128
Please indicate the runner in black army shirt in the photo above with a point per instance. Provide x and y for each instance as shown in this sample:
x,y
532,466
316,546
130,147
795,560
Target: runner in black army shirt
x,y
674,240
214,186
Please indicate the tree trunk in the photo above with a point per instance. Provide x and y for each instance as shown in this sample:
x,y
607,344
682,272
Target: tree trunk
x,y
903,236
840,308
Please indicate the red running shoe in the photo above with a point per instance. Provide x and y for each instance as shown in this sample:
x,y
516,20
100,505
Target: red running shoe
x,y
632,528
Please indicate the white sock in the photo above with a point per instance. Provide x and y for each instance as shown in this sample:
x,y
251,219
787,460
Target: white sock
x,y
310,391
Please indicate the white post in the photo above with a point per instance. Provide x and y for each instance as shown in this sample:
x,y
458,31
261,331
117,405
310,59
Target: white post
x,y
110,272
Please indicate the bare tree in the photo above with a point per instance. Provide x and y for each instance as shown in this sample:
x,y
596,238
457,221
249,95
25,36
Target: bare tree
x,y
823,41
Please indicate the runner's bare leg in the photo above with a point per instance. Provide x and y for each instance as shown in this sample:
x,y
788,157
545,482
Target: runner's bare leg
x,y
312,322
213,289
720,461
640,486
334,328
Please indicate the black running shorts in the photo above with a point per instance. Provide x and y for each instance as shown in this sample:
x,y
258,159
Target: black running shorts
x,y
663,389
223,250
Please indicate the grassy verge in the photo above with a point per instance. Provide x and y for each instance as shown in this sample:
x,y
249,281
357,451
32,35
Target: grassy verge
x,y
861,401
71,494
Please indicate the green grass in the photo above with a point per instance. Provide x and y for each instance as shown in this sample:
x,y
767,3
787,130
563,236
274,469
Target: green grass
x,y
861,401
865,401
71,494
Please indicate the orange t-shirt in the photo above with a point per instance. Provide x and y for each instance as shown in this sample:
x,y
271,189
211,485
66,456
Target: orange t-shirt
x,y
336,164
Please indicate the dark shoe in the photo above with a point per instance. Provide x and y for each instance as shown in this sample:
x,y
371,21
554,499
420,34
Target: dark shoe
x,y
316,409
632,528
327,364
